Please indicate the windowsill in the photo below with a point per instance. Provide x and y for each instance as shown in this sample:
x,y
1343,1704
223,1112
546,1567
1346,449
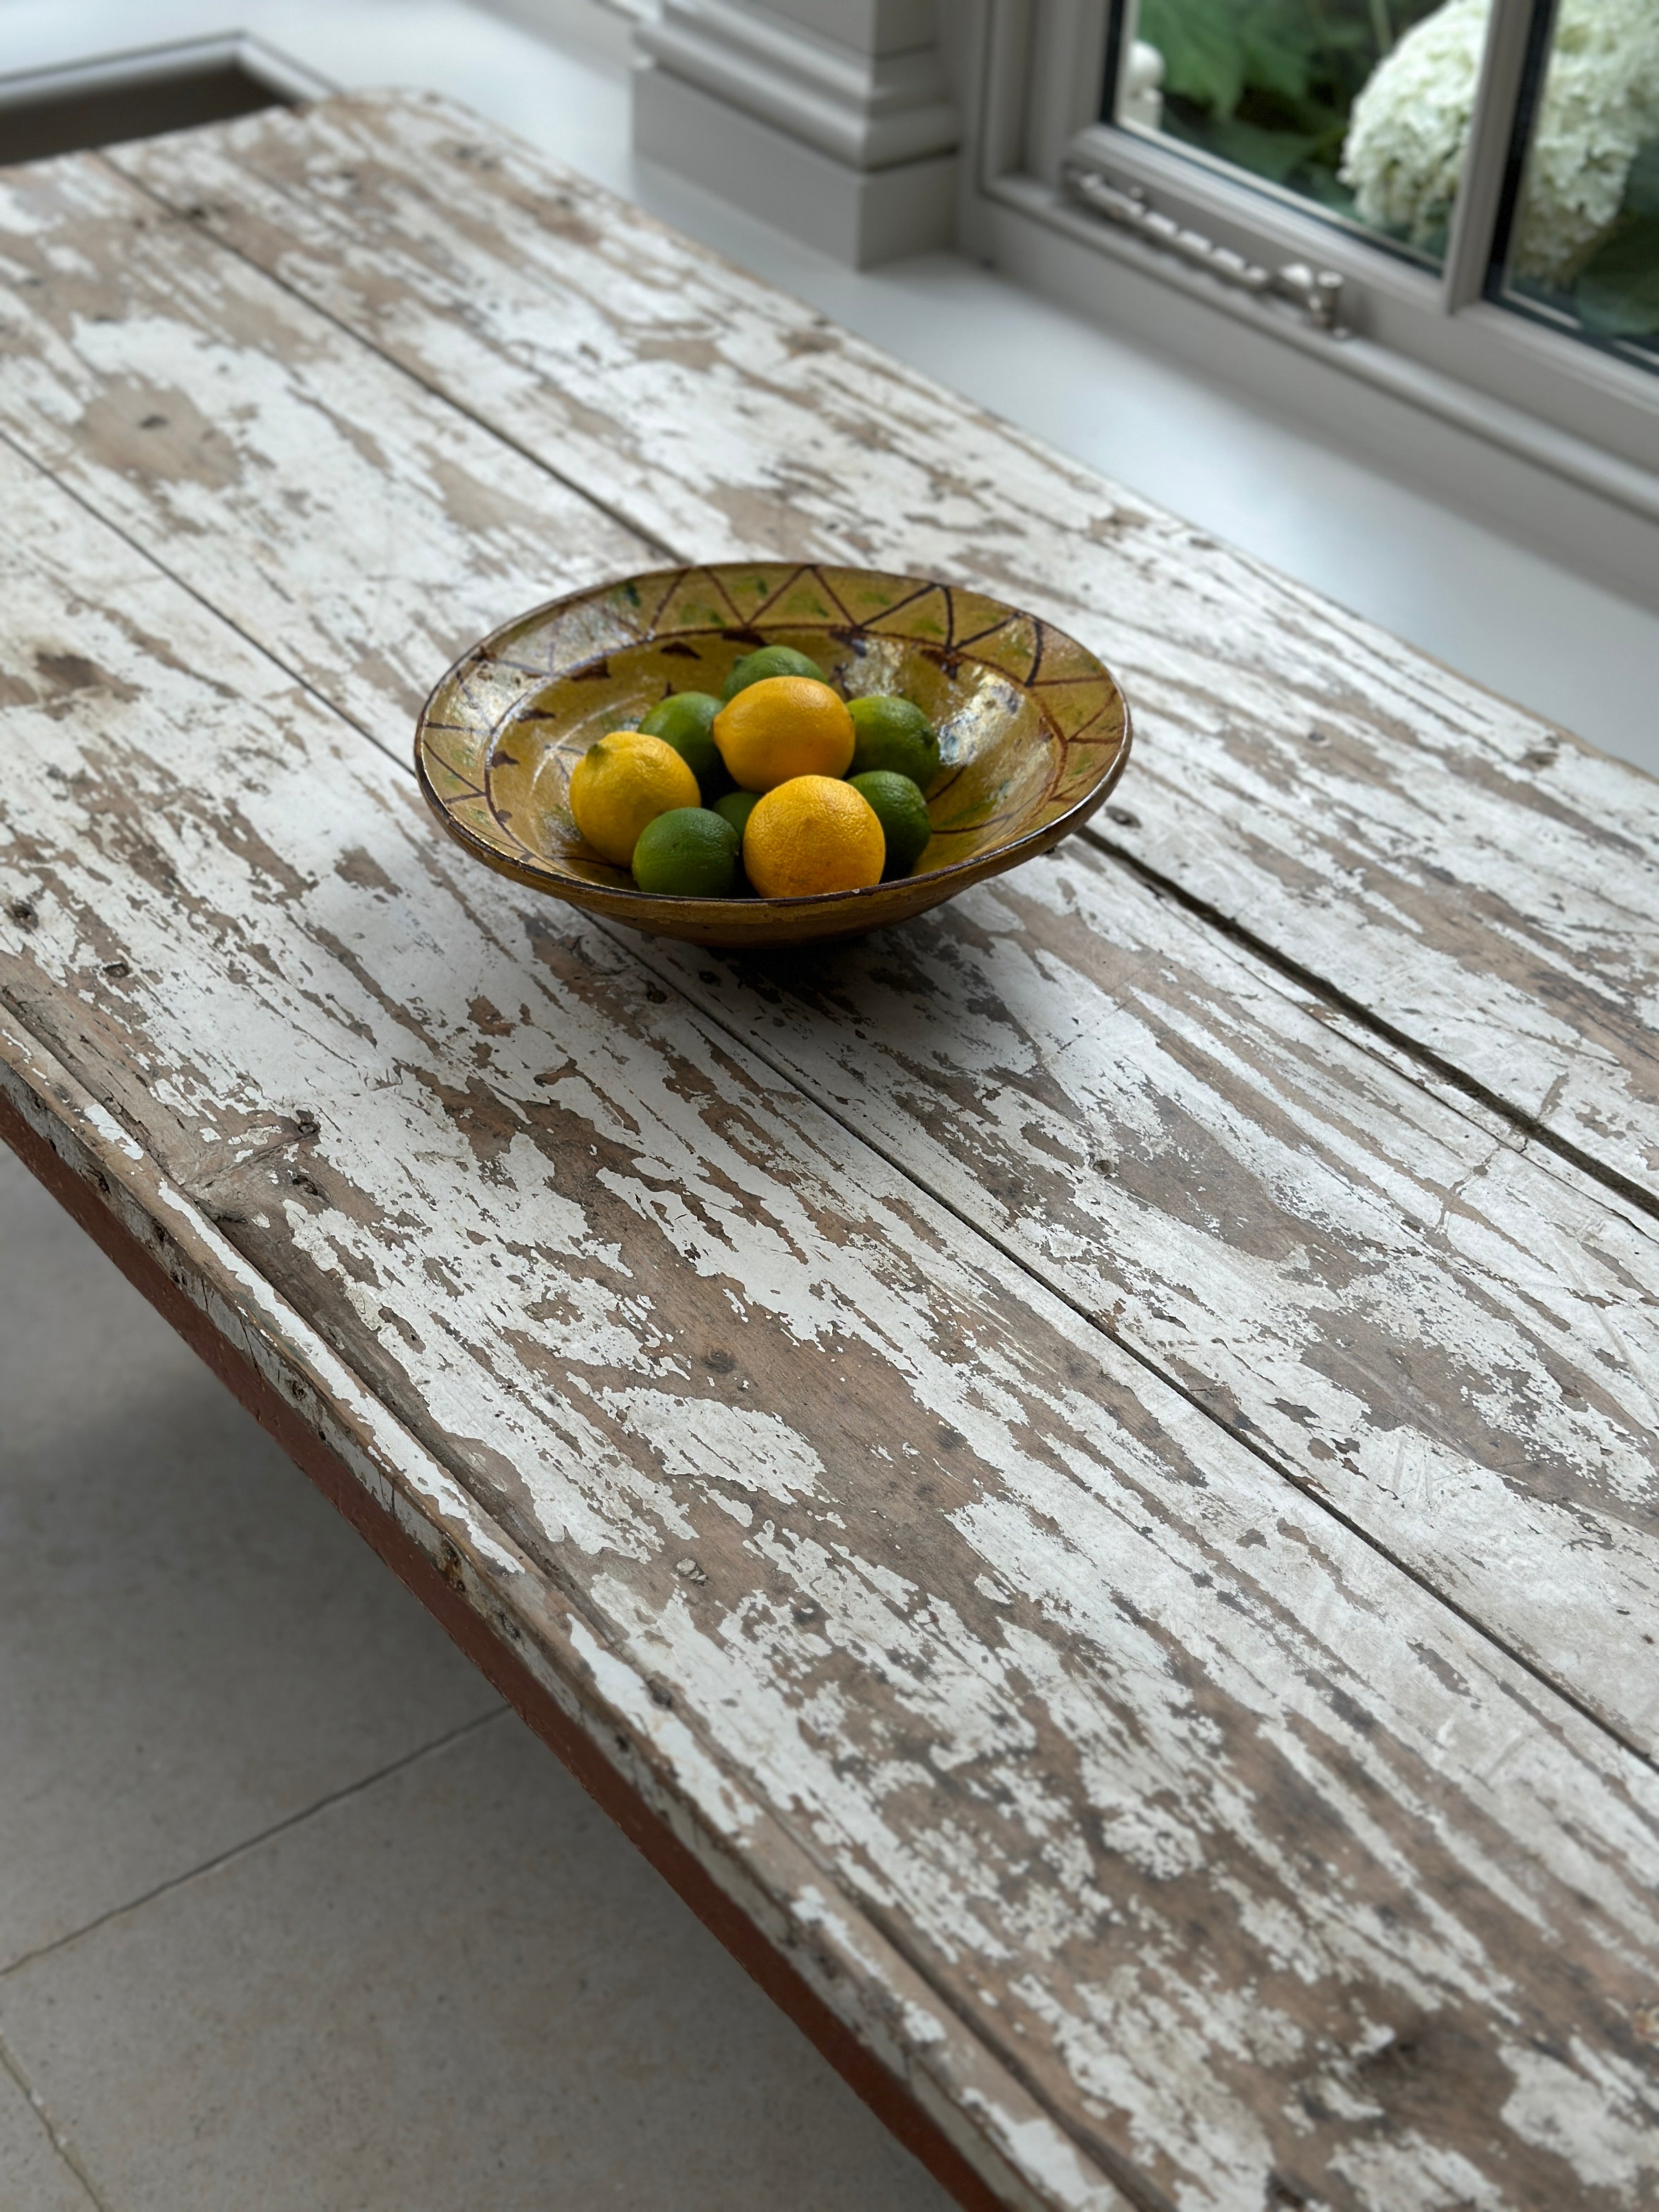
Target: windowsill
x,y
1629,479
1478,597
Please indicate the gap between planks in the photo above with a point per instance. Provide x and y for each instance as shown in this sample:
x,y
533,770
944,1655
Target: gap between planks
x,y
380,1479
376,768
1527,1124
210,244
1433,1064
640,951
540,250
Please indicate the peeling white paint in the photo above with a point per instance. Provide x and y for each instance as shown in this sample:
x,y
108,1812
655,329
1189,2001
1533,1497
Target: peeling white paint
x,y
1079,1675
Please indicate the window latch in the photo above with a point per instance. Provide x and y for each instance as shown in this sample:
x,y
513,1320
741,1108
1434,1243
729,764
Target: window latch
x,y
1316,293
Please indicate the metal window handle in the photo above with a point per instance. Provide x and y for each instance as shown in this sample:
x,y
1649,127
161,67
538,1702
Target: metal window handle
x,y
1316,292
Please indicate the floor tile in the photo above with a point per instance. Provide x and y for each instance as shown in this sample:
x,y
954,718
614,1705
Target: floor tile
x,y
194,1644
456,1989
32,2176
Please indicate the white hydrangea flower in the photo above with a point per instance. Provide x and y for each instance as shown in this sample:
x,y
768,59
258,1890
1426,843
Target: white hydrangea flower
x,y
1601,105
1410,125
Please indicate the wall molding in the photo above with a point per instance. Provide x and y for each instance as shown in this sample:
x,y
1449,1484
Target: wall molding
x,y
829,118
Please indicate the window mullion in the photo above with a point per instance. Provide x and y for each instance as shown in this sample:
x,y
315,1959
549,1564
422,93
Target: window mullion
x,y
1472,243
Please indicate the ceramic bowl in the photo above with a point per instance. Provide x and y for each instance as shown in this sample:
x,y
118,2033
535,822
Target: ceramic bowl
x,y
1033,731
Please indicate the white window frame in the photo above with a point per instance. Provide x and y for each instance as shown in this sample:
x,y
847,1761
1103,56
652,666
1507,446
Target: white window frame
x,y
1030,74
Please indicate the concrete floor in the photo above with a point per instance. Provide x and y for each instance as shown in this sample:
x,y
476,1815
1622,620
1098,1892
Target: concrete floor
x,y
292,1913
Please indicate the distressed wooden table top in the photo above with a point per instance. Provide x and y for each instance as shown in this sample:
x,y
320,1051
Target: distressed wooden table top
x,y
1093,1456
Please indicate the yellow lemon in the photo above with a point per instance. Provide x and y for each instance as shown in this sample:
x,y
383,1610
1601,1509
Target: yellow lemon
x,y
813,833
622,782
784,726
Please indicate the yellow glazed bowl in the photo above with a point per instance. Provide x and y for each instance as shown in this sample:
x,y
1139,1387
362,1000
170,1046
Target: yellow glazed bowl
x,y
1033,731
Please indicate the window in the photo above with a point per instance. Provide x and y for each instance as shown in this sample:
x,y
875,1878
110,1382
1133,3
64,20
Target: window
x,y
1582,245
1457,200
1282,92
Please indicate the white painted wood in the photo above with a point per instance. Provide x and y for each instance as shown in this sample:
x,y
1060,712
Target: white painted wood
x,y
851,1968
1465,874
1223,1859
1375,1284
830,117
375,533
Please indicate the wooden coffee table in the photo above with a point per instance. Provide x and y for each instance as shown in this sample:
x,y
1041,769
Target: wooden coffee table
x,y
1079,1474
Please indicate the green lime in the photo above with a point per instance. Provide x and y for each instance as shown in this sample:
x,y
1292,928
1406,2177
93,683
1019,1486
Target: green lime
x,y
899,806
685,719
691,852
893,733
769,661
736,808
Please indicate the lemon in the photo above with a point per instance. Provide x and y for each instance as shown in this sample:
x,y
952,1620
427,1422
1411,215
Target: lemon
x,y
737,806
690,851
622,782
685,721
769,661
784,726
898,805
893,733
813,833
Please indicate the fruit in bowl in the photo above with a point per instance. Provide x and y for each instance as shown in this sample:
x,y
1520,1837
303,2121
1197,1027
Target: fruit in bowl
x,y
957,736
806,799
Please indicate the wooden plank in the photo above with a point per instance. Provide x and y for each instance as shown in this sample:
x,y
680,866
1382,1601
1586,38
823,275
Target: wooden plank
x,y
437,1576
1463,873
1447,1338
1453,1341
1236,1866
371,536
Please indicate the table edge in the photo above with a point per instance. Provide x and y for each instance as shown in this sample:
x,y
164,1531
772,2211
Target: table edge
x,y
109,1185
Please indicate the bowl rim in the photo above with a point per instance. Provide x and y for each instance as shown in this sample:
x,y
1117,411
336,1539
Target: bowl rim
x,y
540,875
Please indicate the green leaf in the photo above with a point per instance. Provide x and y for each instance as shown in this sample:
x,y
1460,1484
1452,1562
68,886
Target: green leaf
x,y
1618,295
1642,189
1279,48
1270,153
1203,53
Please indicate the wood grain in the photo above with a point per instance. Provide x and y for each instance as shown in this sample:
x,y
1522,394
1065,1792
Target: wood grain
x,y
1466,875
1220,1861
364,534
448,1586
1448,1338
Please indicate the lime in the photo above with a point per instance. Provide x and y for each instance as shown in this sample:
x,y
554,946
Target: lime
x,y
897,803
691,852
893,733
769,661
685,719
737,806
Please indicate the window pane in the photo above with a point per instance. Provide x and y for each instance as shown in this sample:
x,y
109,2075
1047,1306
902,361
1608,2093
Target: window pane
x,y
1584,243
1360,106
